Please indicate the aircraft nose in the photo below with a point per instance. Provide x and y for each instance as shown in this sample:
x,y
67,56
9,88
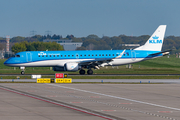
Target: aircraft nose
x,y
7,62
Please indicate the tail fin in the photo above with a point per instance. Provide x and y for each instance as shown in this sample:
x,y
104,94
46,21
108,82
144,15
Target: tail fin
x,y
155,42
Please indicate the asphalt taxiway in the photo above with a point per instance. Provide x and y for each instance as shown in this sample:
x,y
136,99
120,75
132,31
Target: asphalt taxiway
x,y
97,75
166,81
21,101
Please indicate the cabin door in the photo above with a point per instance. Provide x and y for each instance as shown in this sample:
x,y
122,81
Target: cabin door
x,y
133,55
28,57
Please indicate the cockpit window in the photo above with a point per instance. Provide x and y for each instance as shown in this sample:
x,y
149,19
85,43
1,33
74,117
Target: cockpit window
x,y
17,55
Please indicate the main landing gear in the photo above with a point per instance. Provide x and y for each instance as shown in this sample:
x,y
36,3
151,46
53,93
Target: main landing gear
x,y
82,72
89,72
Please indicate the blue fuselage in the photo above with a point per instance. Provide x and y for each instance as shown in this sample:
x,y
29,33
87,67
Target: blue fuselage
x,y
59,58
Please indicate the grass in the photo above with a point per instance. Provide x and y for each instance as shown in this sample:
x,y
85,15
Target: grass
x,y
162,62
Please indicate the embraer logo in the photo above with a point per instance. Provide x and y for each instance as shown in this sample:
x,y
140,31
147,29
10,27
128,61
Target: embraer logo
x,y
155,41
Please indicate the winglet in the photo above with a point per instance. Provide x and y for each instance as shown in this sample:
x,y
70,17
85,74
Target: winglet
x,y
120,54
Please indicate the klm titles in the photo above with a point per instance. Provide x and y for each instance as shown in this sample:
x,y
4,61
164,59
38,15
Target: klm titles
x,y
155,41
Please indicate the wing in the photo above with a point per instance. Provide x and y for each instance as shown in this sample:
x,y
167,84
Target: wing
x,y
100,61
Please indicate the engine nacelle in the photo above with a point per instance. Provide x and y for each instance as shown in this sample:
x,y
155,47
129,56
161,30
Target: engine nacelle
x,y
67,67
71,66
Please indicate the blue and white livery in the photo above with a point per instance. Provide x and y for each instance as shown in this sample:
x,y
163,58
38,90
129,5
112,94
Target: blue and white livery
x,y
79,60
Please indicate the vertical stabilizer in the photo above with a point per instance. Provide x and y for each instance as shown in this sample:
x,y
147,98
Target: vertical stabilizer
x,y
155,42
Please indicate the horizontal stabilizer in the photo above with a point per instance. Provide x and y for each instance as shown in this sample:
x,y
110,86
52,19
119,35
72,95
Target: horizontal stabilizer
x,y
163,52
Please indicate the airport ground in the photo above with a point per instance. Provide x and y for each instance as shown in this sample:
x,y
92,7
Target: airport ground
x,y
103,81
21,101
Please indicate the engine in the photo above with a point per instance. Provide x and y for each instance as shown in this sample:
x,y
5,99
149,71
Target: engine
x,y
71,66
68,67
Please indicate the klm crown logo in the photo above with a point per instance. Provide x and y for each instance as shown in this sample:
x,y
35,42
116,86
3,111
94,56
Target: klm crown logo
x,y
155,40
155,37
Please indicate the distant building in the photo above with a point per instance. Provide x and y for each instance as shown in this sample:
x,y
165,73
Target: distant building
x,y
67,44
2,54
5,54
130,45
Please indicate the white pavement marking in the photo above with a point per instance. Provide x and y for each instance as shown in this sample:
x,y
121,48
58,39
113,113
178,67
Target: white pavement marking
x,y
116,97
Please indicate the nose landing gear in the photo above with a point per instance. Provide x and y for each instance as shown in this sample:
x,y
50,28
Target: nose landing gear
x,y
22,72
23,69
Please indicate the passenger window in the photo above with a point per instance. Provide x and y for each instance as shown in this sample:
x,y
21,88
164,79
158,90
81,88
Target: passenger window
x,y
84,55
61,55
57,55
54,55
88,55
42,55
92,55
72,55
116,54
99,54
50,56
64,55
106,55
17,55
38,55
102,54
46,55
113,54
96,55
68,55
81,55
127,54
109,54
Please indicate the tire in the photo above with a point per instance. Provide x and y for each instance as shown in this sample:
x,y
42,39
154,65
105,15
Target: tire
x,y
22,72
82,72
89,72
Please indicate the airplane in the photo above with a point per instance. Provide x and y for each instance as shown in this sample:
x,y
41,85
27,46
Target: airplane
x,y
88,59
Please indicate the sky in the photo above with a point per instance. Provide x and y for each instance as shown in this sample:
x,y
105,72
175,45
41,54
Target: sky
x,y
85,17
